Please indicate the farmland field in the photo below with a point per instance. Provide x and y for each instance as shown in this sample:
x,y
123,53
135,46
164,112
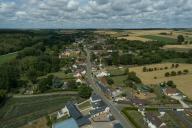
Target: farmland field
x,y
7,58
19,111
178,47
183,82
160,38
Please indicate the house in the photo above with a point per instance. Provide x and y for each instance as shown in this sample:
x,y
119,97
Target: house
x,y
117,92
105,89
63,112
171,91
102,74
76,114
98,106
83,72
73,111
69,52
153,121
78,75
141,110
95,98
79,81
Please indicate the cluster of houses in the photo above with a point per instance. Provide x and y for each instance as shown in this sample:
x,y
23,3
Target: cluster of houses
x,y
69,53
79,70
98,112
71,111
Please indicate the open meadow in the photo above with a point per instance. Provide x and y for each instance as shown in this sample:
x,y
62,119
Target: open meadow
x,y
183,81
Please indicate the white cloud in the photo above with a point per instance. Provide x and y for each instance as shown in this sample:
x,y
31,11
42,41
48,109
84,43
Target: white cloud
x,y
98,11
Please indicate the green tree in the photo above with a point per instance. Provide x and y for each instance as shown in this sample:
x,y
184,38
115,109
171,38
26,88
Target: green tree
x,y
186,71
173,73
110,80
2,95
167,74
132,77
84,91
144,69
170,83
32,75
180,38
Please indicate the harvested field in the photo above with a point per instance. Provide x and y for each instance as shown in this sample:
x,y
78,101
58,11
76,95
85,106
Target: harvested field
x,y
177,47
183,82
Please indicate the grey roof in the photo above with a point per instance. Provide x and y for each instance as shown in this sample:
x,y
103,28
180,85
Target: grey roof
x,y
104,88
73,111
99,104
95,97
95,111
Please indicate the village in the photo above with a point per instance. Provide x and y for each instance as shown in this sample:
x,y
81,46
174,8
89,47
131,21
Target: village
x,y
106,82
140,99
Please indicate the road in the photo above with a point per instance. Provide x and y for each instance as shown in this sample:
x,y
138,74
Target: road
x,y
114,110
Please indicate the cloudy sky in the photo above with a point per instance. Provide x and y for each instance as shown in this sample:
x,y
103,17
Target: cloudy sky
x,y
95,13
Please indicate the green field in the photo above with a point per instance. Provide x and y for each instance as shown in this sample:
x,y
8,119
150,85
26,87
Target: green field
x,y
7,58
60,75
165,40
119,80
116,72
20,111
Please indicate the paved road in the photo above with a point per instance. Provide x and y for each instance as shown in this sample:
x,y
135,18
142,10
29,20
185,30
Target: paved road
x,y
114,110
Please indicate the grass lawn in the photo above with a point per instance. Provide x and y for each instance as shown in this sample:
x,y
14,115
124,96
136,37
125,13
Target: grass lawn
x,y
61,75
116,71
165,40
119,80
7,58
20,111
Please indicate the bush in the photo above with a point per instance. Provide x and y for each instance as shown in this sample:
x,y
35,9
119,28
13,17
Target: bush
x,y
186,71
171,84
110,80
167,74
2,95
173,73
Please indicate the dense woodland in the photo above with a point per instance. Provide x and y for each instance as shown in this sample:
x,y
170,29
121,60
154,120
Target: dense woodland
x,y
37,55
